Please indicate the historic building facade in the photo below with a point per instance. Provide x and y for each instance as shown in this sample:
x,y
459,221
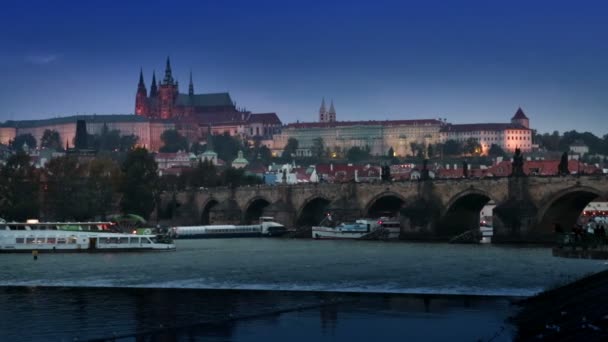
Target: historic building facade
x,y
147,130
509,136
378,136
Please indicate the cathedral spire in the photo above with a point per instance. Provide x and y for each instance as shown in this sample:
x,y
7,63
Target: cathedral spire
x,y
322,109
141,86
168,76
153,88
191,86
331,115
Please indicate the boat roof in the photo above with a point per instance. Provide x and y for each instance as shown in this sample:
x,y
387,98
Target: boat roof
x,y
100,223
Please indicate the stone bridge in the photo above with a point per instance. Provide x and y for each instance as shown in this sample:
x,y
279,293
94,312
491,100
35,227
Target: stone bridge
x,y
527,208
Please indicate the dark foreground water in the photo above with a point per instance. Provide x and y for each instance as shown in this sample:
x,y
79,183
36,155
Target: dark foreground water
x,y
277,289
70,314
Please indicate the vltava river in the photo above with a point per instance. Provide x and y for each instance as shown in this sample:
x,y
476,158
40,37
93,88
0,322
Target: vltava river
x,y
285,264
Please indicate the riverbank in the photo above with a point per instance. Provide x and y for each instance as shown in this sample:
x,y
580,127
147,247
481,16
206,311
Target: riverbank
x,y
574,312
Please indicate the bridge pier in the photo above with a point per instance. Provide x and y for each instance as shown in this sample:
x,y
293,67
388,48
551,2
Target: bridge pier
x,y
283,213
419,219
515,221
226,212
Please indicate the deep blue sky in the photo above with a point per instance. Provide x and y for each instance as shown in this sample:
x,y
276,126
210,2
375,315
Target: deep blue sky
x,y
467,61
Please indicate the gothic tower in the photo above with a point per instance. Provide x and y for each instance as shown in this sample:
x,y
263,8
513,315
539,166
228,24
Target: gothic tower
x,y
323,112
167,93
141,99
332,112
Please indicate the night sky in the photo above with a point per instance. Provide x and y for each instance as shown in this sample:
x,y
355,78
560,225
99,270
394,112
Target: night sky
x,y
467,61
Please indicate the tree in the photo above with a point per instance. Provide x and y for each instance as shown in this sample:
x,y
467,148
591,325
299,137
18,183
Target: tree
x,y
226,147
51,139
205,174
22,139
290,149
452,148
128,142
139,183
318,148
237,177
103,181
357,154
430,151
67,196
265,154
472,147
496,151
173,142
19,188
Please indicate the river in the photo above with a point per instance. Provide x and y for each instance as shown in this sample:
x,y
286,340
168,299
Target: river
x,y
269,289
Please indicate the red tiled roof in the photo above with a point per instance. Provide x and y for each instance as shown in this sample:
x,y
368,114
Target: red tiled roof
x,y
519,114
421,122
265,118
481,127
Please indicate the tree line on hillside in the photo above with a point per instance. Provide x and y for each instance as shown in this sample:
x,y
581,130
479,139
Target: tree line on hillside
x,y
73,189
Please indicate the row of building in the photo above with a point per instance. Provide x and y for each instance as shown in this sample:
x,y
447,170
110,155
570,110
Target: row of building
x,y
163,107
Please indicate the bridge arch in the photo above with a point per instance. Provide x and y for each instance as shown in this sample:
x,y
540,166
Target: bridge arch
x,y
254,209
462,212
312,211
387,203
209,204
564,208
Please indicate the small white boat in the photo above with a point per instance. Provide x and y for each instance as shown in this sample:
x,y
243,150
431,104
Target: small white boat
x,y
51,237
266,227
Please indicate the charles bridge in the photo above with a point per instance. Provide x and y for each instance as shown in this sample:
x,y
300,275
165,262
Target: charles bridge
x,y
527,208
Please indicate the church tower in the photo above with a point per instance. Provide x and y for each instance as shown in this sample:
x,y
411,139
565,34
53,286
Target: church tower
x,y
323,112
141,99
167,93
332,112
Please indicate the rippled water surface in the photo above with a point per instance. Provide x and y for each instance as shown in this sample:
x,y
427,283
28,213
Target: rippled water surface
x,y
283,264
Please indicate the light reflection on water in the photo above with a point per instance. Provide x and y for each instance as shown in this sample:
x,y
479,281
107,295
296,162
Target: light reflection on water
x,y
69,314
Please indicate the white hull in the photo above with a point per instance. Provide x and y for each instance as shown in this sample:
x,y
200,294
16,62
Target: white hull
x,y
328,233
13,241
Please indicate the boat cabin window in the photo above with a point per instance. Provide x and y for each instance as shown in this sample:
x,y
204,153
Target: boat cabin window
x,y
30,240
134,240
19,240
61,240
123,240
113,240
51,240
145,240
72,239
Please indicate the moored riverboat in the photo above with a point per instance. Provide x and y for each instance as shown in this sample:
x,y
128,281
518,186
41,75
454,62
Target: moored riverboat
x,y
267,227
64,237
382,228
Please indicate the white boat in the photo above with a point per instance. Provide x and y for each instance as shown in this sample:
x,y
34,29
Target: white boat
x,y
266,227
53,237
362,228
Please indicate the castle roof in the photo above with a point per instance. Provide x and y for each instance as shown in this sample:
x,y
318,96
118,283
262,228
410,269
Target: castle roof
x,y
481,127
519,115
205,100
265,118
95,118
421,122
